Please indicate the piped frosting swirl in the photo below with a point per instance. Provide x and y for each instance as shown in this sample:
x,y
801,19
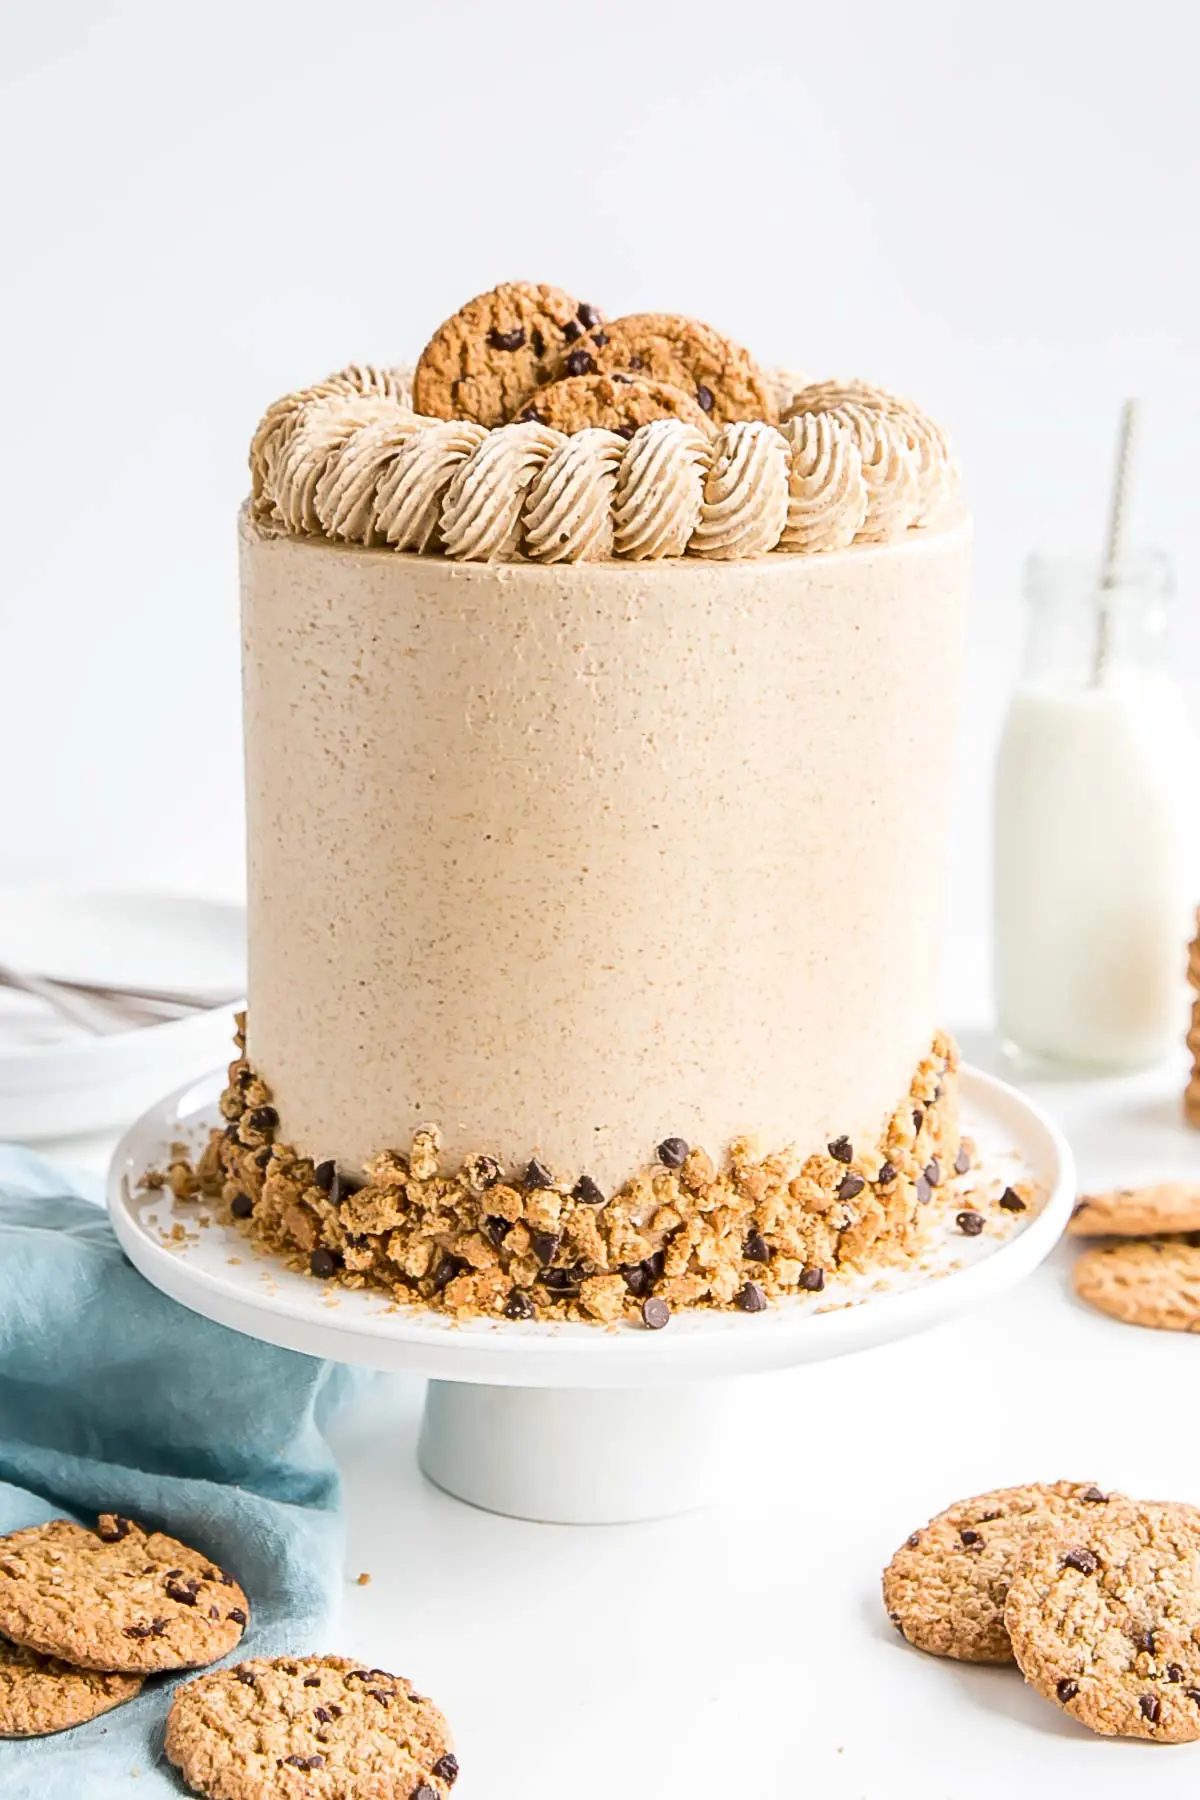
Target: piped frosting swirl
x,y
348,459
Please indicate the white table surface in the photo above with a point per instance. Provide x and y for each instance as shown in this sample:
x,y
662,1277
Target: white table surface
x,y
744,1649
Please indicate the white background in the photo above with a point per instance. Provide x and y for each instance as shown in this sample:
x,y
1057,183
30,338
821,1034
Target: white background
x,y
992,207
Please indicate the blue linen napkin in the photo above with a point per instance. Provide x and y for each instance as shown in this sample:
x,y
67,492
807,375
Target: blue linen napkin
x,y
114,1398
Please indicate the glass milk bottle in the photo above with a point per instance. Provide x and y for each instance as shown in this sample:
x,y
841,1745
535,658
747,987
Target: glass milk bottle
x,y
1096,824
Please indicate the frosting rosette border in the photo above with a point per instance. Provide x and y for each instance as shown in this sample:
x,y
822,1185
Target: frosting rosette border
x,y
349,460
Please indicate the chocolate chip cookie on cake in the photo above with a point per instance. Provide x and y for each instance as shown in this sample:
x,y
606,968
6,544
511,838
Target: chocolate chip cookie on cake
x,y
722,379
490,355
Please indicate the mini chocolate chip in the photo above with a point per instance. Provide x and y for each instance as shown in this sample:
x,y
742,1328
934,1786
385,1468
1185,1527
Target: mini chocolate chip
x,y
137,1631
1143,1640
356,1674
237,1615
506,340
335,1710
969,1223
1011,1201
1193,1695
655,1313
850,1185
704,398
245,1077
247,1679
324,1175
496,1230
637,1279
673,1152
756,1248
545,1245
1084,1560
447,1270
316,1762
538,1176
914,1538
378,1694
264,1118
483,1172
424,1792
241,1206
323,1262
174,1574
812,1280
1151,1707
531,416
988,1517
656,1263
971,1540
1066,1690
625,380
887,1173
962,1160
637,362
924,1191
115,1530
585,1189
918,1118
231,1132
572,330
562,1281
842,1150
294,1762
933,1172
1174,1672
322,1712
214,1612
518,1305
262,1156
750,1298
446,1768
588,315
537,342
625,431
312,1681
227,1580
184,1596
600,338
580,363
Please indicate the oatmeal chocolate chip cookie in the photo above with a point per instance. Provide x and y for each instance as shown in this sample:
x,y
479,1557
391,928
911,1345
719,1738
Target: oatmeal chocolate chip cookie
x,y
1138,1212
616,402
1143,1281
39,1694
117,1598
1104,1620
482,363
945,1587
309,1725
723,379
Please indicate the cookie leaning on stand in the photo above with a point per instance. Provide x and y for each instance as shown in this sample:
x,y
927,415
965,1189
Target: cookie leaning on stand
x,y
489,355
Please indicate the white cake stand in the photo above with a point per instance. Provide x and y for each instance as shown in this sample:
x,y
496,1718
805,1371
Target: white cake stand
x,y
578,1423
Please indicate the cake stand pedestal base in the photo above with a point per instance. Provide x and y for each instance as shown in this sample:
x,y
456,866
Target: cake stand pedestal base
x,y
551,1420
578,1456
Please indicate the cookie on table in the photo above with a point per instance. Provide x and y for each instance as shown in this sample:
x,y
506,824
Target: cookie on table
x,y
946,1585
723,379
1138,1212
483,362
1142,1281
1103,1622
614,402
117,1598
39,1694
309,1725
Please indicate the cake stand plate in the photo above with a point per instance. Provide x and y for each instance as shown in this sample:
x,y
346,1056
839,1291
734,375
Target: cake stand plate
x,y
582,1423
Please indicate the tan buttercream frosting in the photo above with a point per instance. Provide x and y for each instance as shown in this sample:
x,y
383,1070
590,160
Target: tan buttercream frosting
x,y
349,460
936,468
281,419
344,498
660,490
827,495
408,502
568,509
481,511
745,493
